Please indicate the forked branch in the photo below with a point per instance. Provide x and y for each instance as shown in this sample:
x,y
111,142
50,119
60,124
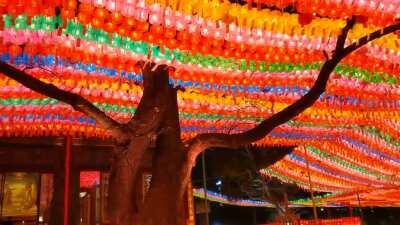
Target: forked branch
x,y
203,141
79,103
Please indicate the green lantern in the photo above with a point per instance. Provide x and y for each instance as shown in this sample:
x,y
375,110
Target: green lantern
x,y
21,22
7,19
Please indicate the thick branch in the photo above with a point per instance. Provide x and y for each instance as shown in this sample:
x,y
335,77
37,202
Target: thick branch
x,y
372,36
76,101
341,40
151,107
204,141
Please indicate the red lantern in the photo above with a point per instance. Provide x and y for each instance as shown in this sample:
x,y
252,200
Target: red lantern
x,y
87,8
4,3
122,31
15,50
305,19
49,11
32,11
136,35
12,9
157,30
31,49
143,26
170,33
97,22
109,27
362,19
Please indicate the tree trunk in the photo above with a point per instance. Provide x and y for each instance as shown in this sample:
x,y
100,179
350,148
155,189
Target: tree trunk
x,y
149,120
124,183
164,203
120,191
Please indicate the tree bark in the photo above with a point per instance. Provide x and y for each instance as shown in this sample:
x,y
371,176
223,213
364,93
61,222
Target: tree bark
x,y
166,194
164,203
146,124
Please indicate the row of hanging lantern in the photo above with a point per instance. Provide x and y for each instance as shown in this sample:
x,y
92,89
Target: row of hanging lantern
x,y
110,91
281,30
338,221
356,167
256,63
327,200
239,50
218,197
184,57
339,167
102,18
290,174
115,20
216,76
9,93
379,12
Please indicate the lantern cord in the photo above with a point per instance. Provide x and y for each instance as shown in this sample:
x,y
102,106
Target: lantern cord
x,y
311,187
359,206
203,162
68,144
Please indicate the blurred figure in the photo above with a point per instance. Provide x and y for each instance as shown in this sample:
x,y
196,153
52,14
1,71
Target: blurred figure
x,y
8,221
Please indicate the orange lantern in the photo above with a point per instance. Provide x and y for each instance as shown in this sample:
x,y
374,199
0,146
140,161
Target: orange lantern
x,y
84,17
71,4
117,18
109,27
136,35
67,13
97,22
101,13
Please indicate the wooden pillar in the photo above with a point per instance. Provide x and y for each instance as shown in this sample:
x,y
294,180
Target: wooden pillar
x,y
93,196
203,163
67,171
57,201
190,205
65,201
74,203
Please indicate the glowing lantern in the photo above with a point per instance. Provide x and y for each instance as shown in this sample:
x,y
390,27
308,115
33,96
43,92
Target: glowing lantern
x,y
305,19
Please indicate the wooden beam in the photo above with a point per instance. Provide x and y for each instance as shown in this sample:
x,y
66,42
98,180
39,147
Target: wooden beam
x,y
44,159
92,158
34,159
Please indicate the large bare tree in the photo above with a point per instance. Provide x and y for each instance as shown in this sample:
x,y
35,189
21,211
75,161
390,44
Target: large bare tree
x,y
155,126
